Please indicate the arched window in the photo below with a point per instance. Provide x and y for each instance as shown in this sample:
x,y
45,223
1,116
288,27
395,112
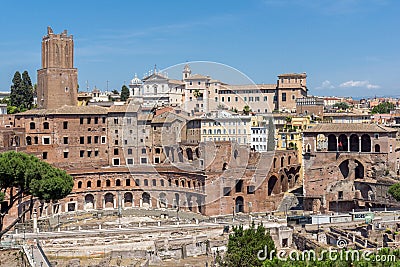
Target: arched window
x,y
289,159
282,161
354,143
98,183
36,140
271,184
343,143
46,125
118,182
239,204
89,184
146,198
146,182
365,143
32,125
154,181
183,183
108,182
162,182
28,140
332,143
80,184
274,162
377,148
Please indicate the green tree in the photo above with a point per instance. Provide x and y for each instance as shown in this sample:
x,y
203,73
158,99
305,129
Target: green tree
x,y
246,110
383,108
341,105
244,246
21,95
124,93
394,190
24,177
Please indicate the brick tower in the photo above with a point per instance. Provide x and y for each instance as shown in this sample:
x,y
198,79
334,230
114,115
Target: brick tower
x,y
57,79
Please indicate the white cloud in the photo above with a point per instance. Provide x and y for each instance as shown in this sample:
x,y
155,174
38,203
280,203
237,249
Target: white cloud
x,y
326,85
365,84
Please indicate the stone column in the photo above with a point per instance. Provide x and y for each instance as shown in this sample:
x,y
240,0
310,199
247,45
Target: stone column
x,y
141,202
359,144
114,202
35,228
337,143
205,100
348,143
104,202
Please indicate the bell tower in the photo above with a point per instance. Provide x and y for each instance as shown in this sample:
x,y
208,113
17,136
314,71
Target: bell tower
x,y
57,79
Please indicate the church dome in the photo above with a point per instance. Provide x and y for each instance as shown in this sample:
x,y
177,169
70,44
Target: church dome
x,y
136,80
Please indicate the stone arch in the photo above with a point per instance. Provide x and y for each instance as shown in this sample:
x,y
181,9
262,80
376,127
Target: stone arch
x,y
359,170
235,153
365,143
354,143
344,168
332,143
272,181
108,200
377,148
189,153
180,154
89,202
146,199
239,204
343,143
224,166
296,178
162,198
176,200
128,200
284,183
366,191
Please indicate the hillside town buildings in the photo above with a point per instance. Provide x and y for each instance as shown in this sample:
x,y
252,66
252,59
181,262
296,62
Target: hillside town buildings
x,y
193,145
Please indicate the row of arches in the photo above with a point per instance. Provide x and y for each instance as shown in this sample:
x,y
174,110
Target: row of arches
x,y
282,162
352,143
277,185
179,154
182,183
46,125
111,200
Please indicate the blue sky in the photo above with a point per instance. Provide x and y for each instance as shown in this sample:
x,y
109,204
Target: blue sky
x,y
347,47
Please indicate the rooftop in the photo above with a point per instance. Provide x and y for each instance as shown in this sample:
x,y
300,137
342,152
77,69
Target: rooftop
x,y
67,110
349,127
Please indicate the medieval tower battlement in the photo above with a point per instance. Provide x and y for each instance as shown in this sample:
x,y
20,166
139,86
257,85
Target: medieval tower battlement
x,y
57,79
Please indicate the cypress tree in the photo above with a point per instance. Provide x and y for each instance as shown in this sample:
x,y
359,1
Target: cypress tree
x,y
124,93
